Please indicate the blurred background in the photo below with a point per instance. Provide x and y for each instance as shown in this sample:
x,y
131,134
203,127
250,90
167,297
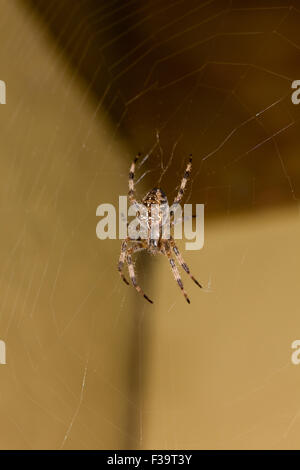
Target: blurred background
x,y
90,364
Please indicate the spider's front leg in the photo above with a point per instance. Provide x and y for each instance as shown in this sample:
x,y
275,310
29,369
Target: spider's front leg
x,y
131,192
184,181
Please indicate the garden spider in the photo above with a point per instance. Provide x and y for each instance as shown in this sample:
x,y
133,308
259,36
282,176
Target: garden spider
x,y
154,246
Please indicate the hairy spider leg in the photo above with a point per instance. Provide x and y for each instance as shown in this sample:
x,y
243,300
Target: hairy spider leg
x,y
131,192
182,262
176,273
133,278
184,181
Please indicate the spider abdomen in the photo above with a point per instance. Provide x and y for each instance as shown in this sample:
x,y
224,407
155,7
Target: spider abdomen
x,y
156,202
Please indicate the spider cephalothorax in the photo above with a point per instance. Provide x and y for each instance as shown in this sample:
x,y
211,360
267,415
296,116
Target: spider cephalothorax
x,y
155,241
155,196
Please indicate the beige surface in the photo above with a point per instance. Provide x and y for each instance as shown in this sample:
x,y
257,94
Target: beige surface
x,y
89,363
221,372
67,330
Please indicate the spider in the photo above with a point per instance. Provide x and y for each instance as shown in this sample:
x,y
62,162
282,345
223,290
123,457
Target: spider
x,y
154,246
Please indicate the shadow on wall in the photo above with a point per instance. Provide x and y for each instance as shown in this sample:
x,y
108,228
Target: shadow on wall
x,y
212,78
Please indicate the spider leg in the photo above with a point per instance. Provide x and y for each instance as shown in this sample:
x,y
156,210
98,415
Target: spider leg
x,y
131,192
124,251
182,262
183,182
176,273
133,278
122,259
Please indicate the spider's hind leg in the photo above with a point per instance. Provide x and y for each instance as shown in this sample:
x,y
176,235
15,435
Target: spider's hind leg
x,y
133,278
176,273
182,262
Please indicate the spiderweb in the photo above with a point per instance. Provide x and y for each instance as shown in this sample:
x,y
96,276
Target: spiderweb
x,y
88,366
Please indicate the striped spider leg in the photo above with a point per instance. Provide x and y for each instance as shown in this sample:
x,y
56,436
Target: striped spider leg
x,y
131,192
175,270
184,182
181,190
182,262
126,257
